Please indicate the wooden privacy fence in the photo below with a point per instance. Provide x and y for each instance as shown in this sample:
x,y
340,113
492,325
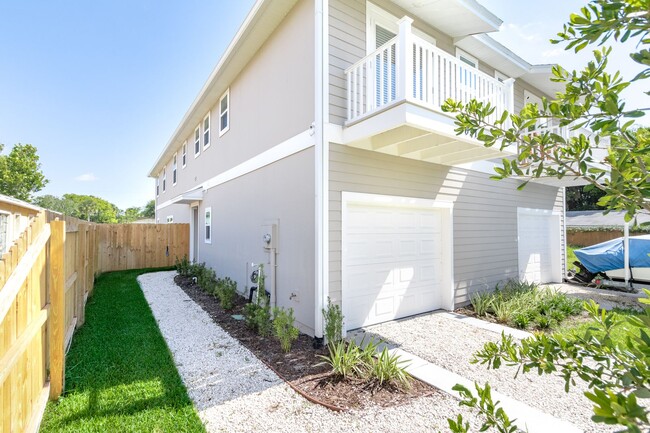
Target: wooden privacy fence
x,y
592,237
45,280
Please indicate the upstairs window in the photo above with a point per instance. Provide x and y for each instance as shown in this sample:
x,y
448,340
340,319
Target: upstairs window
x,y
208,225
157,186
197,141
206,131
174,166
184,155
224,113
466,58
164,178
501,77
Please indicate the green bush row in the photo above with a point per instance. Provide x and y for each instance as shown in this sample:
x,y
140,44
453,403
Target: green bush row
x,y
525,305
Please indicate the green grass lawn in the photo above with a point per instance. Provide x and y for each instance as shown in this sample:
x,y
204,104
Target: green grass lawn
x,y
620,333
120,376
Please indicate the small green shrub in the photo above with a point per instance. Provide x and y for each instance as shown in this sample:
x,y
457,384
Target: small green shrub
x,y
521,320
345,359
389,369
333,323
207,280
182,266
250,315
226,292
543,321
503,310
481,302
283,327
263,316
195,269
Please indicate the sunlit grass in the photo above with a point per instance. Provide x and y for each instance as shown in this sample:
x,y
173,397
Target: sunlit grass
x,y
120,376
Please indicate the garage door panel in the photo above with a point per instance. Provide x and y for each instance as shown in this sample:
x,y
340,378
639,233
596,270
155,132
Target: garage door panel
x,y
393,262
539,246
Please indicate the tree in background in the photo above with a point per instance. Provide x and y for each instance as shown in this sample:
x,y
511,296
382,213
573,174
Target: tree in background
x,y
91,208
20,172
583,198
130,214
617,374
149,210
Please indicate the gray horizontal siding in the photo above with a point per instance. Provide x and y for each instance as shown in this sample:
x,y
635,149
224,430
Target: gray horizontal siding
x,y
484,213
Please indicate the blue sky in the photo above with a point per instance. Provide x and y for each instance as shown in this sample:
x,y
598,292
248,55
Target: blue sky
x,y
99,86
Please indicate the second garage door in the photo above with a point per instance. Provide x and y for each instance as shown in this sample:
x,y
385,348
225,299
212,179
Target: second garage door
x,y
540,248
396,261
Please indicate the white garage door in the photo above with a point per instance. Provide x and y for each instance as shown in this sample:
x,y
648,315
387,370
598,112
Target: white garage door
x,y
393,262
540,250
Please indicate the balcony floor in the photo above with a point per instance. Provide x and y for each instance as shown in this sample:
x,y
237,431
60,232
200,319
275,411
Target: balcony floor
x,y
408,130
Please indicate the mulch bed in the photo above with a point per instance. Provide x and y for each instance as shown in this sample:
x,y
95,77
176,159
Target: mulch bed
x,y
301,368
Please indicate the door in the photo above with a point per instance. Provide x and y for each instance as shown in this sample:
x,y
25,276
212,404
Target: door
x,y
540,249
396,261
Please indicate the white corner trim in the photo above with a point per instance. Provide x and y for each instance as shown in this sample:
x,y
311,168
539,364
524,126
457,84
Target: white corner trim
x,y
293,145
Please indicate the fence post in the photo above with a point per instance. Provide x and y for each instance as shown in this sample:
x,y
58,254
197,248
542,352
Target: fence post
x,y
57,308
82,275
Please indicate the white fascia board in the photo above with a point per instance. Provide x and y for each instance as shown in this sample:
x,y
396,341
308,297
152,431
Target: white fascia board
x,y
482,12
19,203
470,43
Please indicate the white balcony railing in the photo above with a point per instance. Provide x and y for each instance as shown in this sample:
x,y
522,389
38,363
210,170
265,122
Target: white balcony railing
x,y
409,68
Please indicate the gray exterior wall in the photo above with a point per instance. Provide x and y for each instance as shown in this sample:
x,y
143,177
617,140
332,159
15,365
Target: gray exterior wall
x,y
180,212
484,214
271,101
282,192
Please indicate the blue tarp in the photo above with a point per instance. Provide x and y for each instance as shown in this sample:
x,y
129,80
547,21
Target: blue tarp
x,y
609,255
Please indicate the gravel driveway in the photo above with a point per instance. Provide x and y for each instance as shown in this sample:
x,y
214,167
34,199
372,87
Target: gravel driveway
x,y
450,343
234,392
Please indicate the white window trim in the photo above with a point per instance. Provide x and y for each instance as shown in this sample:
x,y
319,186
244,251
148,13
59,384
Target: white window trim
x,y
227,112
164,180
158,186
197,149
205,225
175,169
184,155
460,53
10,231
170,219
205,146
378,16
500,76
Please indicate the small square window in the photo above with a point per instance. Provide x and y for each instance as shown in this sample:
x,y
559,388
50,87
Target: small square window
x,y
224,113
170,219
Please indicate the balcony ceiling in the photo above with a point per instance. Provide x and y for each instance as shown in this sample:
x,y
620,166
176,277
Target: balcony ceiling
x,y
454,17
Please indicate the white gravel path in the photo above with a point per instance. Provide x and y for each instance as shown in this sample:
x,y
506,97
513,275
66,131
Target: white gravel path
x,y
450,343
607,299
234,392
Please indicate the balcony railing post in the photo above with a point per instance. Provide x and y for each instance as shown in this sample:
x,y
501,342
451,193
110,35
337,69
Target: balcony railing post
x,y
404,76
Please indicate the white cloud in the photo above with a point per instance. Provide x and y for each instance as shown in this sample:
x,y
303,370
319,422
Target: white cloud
x,y
549,54
86,177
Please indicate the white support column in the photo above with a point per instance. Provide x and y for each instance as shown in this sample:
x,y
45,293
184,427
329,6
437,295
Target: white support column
x,y
404,66
510,95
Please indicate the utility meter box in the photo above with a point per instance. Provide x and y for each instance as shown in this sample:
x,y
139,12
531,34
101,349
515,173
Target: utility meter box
x,y
270,236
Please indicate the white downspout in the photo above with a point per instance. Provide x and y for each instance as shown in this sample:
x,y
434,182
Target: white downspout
x,y
321,162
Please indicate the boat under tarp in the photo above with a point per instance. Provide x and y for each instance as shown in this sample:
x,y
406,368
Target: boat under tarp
x,y
609,257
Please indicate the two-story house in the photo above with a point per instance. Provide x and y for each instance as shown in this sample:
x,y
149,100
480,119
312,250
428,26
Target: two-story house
x,y
318,147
